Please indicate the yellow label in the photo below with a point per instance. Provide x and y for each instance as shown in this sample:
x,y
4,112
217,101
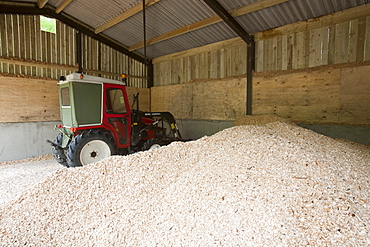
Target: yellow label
x,y
172,126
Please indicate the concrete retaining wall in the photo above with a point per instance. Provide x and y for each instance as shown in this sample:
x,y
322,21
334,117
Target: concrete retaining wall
x,y
194,129
25,140
353,133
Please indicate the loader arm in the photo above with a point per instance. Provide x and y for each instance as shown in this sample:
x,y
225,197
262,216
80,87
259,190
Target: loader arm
x,y
170,119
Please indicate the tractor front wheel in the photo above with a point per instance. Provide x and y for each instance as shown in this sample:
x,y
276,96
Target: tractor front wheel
x,y
58,152
89,147
152,144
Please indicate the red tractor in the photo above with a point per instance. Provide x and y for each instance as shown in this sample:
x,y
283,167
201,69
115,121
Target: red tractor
x,y
98,122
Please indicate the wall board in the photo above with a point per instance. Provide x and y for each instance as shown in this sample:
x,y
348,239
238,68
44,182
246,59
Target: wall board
x,y
321,95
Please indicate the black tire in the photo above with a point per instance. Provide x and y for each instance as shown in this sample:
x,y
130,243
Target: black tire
x,y
152,144
89,147
58,152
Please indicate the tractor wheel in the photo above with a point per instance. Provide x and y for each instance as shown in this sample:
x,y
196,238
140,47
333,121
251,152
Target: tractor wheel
x,y
58,152
152,144
89,147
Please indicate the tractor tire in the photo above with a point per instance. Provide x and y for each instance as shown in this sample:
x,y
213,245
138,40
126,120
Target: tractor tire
x,y
89,147
58,152
152,144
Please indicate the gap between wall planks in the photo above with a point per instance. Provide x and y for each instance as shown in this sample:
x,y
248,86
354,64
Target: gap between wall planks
x,y
21,37
334,39
37,100
322,95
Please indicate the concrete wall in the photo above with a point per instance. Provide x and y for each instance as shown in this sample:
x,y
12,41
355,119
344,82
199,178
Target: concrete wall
x,y
353,133
194,129
25,140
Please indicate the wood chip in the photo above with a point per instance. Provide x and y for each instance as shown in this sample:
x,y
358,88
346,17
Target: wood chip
x,y
273,183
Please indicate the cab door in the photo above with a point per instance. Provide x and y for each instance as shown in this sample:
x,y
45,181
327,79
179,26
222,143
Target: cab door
x,y
117,114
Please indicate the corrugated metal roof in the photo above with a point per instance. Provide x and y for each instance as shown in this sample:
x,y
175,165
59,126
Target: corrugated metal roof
x,y
204,36
168,15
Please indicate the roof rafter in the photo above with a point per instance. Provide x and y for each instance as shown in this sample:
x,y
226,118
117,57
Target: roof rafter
x,y
230,21
62,6
209,21
41,3
128,13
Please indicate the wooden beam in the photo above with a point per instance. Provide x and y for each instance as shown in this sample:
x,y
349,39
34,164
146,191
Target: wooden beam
x,y
41,3
229,20
38,64
327,20
209,21
62,6
134,10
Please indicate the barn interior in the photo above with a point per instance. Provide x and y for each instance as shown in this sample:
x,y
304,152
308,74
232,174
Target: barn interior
x,y
271,98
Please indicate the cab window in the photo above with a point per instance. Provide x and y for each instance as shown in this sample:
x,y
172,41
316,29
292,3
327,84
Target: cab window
x,y
65,96
115,101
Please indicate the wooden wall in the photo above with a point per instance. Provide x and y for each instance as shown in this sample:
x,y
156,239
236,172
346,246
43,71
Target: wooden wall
x,y
342,37
37,100
28,100
323,95
25,49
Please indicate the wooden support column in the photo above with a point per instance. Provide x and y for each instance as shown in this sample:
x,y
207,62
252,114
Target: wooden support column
x,y
79,51
236,27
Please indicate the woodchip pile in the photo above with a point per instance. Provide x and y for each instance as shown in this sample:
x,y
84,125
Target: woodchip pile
x,y
273,184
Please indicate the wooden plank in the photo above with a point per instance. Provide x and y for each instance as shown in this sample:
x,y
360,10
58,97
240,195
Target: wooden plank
x,y
341,43
332,19
18,43
285,52
54,54
290,44
38,64
325,45
267,54
278,51
213,64
352,40
354,95
367,39
222,64
180,71
47,52
243,60
228,60
207,48
260,55
10,41
361,39
41,3
40,103
313,48
62,6
331,45
2,36
37,53
22,41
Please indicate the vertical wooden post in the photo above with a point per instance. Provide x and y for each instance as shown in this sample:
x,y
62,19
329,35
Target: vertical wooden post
x,y
79,51
250,68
